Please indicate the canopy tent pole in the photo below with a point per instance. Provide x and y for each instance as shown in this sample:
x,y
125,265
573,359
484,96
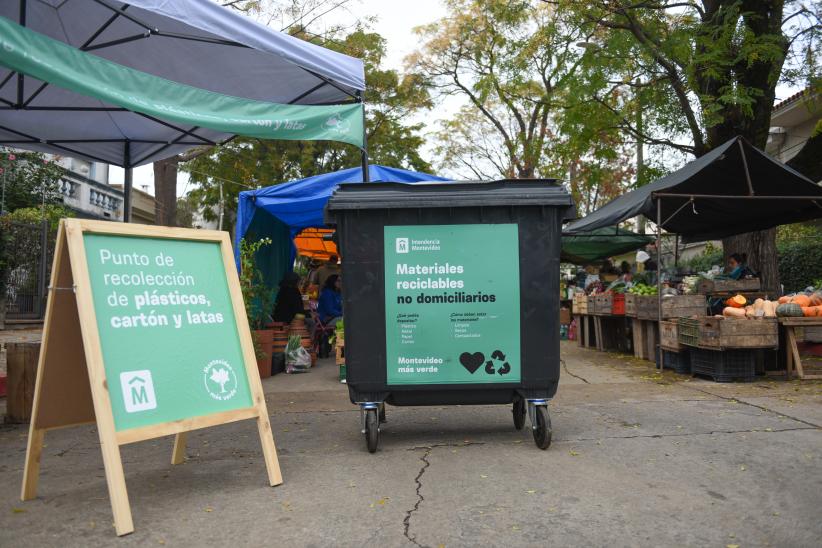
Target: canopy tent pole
x,y
658,352
747,171
365,174
676,251
127,181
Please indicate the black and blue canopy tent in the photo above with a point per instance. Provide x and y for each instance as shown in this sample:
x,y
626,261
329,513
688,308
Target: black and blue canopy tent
x,y
734,189
282,211
213,56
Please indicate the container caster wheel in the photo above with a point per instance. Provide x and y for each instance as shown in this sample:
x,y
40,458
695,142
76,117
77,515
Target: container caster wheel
x,y
372,430
542,427
519,414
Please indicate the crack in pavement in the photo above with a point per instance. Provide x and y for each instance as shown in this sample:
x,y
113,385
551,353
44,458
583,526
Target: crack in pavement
x,y
435,445
407,521
565,367
760,407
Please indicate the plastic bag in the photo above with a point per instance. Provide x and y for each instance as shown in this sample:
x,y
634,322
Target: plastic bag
x,y
297,358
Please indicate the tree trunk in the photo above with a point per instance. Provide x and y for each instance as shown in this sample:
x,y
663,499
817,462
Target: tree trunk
x,y
760,248
165,191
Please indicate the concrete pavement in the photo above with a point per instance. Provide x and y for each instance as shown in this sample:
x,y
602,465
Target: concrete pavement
x,y
639,458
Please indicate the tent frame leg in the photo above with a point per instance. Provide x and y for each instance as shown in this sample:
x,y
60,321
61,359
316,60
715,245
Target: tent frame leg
x,y
365,174
127,182
657,352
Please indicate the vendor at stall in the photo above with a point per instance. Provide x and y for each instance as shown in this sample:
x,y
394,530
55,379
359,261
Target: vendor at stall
x,y
330,305
737,266
312,276
328,269
289,301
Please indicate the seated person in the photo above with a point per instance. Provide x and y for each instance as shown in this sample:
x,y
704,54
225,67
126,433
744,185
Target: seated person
x,y
289,300
738,267
329,307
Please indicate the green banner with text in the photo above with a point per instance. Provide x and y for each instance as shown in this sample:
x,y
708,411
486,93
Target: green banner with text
x,y
57,63
168,332
452,304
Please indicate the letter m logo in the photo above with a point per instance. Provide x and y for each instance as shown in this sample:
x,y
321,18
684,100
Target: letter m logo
x,y
138,395
138,391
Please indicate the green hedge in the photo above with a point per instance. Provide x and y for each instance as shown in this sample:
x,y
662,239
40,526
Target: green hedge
x,y
800,264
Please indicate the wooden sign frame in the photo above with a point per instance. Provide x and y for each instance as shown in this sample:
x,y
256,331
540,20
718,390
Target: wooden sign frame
x,y
72,388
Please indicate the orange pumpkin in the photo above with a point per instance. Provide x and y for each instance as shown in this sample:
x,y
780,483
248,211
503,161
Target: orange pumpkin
x,y
737,301
784,300
816,299
812,311
801,300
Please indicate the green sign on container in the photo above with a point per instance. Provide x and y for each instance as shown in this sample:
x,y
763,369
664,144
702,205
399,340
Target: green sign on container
x,y
452,304
168,333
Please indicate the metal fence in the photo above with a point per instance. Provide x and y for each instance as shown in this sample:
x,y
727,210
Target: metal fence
x,y
28,252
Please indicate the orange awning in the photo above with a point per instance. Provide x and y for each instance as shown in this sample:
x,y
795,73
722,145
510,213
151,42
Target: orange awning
x,y
311,243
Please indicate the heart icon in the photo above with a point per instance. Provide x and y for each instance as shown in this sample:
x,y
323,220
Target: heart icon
x,y
472,362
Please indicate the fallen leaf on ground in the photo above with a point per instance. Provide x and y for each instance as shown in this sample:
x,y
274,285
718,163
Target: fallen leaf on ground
x,y
573,453
18,510
530,491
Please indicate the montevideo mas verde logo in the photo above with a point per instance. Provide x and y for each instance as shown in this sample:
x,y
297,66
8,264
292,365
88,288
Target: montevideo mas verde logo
x,y
337,124
220,380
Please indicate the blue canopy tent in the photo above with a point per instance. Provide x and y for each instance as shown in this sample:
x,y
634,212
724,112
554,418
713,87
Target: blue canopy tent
x,y
281,211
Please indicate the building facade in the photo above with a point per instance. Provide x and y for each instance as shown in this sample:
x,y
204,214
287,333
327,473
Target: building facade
x,y
793,122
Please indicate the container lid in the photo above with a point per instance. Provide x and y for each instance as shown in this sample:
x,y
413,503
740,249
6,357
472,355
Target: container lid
x,y
509,192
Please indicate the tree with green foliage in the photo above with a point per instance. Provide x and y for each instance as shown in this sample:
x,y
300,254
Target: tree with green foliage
x,y
513,62
519,67
390,99
710,69
27,179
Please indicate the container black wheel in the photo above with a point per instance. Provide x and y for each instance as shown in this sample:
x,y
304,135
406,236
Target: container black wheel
x,y
372,430
519,414
542,432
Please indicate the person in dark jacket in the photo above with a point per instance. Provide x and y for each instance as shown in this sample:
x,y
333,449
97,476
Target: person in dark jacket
x,y
330,305
737,264
289,300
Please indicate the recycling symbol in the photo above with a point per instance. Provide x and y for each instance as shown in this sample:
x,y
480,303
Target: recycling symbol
x,y
499,357
473,361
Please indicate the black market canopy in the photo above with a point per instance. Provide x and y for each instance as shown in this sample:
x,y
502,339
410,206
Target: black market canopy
x,y
129,83
733,189
599,244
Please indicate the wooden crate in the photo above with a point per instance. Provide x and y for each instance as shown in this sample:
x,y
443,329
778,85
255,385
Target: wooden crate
x,y
630,305
669,336
707,287
604,304
340,348
738,333
680,306
646,307
564,316
580,304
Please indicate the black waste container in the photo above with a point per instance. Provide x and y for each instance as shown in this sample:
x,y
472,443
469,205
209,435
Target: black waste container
x,y
451,295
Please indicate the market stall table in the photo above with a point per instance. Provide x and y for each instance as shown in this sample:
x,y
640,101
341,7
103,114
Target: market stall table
x,y
793,357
